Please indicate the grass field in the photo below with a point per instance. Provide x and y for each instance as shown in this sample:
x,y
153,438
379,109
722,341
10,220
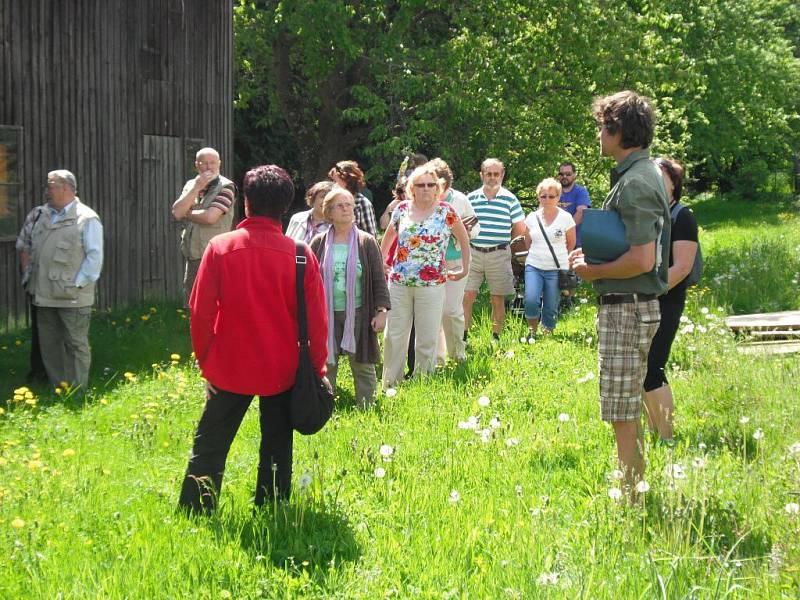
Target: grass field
x,y
492,479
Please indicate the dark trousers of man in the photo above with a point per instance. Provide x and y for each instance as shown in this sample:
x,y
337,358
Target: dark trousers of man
x,y
221,418
37,364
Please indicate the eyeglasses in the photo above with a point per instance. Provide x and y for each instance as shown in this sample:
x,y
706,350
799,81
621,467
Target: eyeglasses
x,y
428,185
549,196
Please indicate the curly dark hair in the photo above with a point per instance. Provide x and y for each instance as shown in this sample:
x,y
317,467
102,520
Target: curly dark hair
x,y
268,190
629,113
351,174
675,171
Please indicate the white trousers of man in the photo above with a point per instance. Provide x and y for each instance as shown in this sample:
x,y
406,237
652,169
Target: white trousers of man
x,y
422,308
451,338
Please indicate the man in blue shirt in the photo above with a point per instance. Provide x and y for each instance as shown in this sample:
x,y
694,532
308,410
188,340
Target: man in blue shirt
x,y
574,197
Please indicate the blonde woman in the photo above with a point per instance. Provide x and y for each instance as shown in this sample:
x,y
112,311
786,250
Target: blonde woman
x,y
548,227
422,226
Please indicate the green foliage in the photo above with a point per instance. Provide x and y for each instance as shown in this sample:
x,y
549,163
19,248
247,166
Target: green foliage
x,y
367,80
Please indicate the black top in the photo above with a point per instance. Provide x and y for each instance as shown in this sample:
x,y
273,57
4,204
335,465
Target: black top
x,y
684,229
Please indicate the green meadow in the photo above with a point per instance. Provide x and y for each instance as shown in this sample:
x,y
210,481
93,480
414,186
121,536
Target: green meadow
x,y
492,479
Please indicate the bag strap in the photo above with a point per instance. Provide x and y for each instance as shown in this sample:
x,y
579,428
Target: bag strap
x,y
673,212
549,245
300,265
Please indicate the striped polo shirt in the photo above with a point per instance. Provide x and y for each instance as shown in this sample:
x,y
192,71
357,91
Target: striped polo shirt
x,y
496,216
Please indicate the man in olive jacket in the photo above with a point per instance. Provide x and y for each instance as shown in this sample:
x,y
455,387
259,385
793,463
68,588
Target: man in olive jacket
x,y
65,261
206,205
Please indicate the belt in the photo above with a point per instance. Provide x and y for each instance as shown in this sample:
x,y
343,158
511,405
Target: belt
x,y
488,249
607,299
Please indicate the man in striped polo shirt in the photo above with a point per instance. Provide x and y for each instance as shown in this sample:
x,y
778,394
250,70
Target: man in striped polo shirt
x,y
501,218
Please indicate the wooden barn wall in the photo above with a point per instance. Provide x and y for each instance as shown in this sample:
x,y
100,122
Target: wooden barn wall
x,y
122,94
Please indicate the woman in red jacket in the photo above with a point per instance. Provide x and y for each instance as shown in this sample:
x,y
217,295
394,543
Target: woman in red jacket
x,y
244,335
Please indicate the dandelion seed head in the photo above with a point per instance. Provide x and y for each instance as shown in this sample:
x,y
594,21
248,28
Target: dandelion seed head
x,y
484,401
511,442
380,472
615,494
390,393
616,474
758,434
454,496
548,579
792,508
386,450
563,417
744,420
304,481
642,487
699,462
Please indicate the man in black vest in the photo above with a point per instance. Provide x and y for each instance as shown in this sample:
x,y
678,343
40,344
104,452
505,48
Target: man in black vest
x,y
206,206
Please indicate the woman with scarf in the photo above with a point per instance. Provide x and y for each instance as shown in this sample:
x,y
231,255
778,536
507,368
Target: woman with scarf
x,y
355,291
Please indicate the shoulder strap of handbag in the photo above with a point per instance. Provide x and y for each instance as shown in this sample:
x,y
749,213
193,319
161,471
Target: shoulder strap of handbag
x,y
673,213
549,245
300,263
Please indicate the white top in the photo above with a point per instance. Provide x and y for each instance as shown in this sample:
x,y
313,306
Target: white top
x,y
539,255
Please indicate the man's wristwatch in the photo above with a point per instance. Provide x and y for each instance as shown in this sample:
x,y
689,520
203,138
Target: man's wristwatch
x,y
382,309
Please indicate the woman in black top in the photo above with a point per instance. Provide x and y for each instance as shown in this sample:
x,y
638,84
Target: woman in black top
x,y
658,395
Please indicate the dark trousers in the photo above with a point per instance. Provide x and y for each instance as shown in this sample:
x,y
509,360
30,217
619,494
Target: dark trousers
x,y
221,418
37,364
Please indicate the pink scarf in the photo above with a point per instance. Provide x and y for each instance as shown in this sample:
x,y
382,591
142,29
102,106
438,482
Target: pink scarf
x,y
348,337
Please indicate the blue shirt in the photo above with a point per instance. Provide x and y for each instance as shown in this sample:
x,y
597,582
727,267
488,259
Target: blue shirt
x,y
570,201
496,216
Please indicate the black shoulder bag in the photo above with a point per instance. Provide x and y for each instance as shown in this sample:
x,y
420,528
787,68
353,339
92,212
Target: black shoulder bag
x,y
567,279
312,398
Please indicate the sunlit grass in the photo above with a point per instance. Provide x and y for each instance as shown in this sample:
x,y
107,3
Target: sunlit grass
x,y
492,479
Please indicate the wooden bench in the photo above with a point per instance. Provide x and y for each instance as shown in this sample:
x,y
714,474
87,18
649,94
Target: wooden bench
x,y
767,333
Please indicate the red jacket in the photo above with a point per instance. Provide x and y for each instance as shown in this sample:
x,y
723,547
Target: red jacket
x,y
244,310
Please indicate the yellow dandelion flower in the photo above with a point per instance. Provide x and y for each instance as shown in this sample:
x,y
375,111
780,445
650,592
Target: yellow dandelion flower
x,y
174,356
104,401
28,395
179,311
30,401
18,397
68,452
58,391
64,384
161,375
34,464
106,472
153,310
18,342
145,317
2,411
18,523
127,319
113,322
166,444
134,416
21,390
129,376
88,542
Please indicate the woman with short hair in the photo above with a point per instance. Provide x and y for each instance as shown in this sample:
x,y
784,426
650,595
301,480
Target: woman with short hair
x,y
304,225
551,231
658,399
355,291
244,335
422,226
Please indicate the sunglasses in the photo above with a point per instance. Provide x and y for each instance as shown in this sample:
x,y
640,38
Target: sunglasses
x,y
426,185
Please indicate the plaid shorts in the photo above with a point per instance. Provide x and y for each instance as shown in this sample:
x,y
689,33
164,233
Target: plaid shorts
x,y
624,333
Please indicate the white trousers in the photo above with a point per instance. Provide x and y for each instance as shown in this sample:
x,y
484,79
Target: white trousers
x,y
418,306
451,339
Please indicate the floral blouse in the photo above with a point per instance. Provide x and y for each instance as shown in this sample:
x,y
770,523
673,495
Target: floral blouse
x,y
419,258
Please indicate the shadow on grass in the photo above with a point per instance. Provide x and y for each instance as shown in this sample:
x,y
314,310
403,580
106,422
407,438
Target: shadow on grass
x,y
709,522
299,536
713,212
